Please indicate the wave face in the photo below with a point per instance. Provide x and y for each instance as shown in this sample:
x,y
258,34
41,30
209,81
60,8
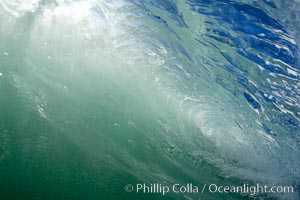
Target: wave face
x,y
96,94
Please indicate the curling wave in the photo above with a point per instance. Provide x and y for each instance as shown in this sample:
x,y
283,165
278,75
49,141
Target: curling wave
x,y
96,94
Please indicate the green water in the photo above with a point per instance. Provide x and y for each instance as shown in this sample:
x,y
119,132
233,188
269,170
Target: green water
x,y
78,123
86,108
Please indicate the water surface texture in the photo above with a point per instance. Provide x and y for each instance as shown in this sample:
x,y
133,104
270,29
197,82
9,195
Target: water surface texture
x,y
96,94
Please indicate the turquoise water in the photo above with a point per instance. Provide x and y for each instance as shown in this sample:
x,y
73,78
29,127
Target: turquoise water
x,y
98,94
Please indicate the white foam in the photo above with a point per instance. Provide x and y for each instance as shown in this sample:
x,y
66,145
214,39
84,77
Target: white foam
x,y
77,11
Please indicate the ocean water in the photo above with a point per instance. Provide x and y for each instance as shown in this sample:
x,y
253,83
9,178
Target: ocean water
x,y
98,94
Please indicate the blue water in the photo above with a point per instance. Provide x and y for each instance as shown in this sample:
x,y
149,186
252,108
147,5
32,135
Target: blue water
x,y
96,94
